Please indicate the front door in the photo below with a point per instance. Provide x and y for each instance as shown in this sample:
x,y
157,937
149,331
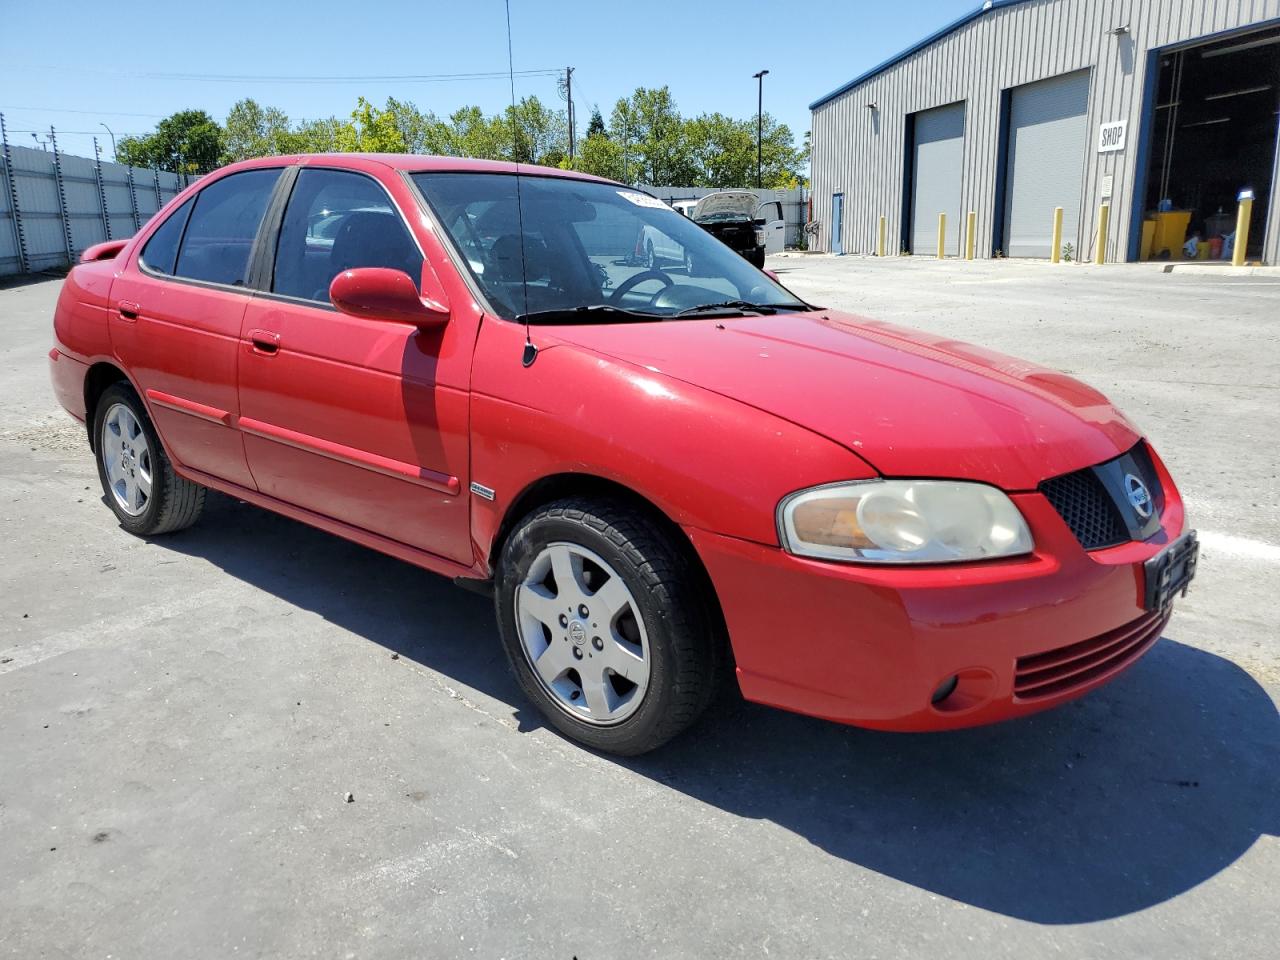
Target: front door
x,y
363,421
837,223
176,313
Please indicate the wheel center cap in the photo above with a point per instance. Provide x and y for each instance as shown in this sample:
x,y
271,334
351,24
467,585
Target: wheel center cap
x,y
577,633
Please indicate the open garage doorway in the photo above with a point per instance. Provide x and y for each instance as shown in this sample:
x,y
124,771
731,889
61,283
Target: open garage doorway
x,y
1214,136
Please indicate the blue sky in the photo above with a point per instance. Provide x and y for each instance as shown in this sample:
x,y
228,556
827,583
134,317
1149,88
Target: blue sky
x,y
94,57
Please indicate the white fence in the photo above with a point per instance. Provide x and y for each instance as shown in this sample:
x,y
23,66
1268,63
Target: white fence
x,y
53,206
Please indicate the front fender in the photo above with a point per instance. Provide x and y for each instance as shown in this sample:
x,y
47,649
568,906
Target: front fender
x,y
705,460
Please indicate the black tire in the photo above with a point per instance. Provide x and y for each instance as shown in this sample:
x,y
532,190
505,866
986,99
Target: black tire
x,y
756,258
650,260
685,645
174,503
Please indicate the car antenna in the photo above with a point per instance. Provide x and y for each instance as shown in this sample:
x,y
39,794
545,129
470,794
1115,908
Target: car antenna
x,y
530,351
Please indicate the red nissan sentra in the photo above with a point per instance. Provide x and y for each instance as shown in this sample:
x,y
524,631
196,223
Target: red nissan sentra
x,y
660,466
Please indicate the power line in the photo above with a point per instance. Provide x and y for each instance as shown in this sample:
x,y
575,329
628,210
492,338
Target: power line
x,y
89,113
95,133
324,78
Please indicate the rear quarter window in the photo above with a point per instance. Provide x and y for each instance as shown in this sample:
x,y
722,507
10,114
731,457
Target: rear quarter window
x,y
222,227
161,252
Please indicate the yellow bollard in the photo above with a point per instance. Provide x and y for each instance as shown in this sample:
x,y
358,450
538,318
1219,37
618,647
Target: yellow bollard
x,y
1243,215
880,240
942,236
1104,216
971,235
1055,255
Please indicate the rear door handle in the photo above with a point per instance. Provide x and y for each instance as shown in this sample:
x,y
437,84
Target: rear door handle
x,y
128,309
266,342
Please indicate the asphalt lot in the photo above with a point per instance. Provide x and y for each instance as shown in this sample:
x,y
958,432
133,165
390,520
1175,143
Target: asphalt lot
x,y
180,719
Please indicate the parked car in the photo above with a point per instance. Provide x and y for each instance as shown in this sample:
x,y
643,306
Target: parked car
x,y
658,475
731,217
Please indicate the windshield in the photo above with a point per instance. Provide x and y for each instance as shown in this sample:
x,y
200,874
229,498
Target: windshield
x,y
596,252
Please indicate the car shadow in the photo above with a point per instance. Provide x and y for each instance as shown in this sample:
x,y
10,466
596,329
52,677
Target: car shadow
x,y
1107,806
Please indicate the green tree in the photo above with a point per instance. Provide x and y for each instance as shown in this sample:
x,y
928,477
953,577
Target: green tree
x,y
252,130
540,135
595,126
373,130
319,136
652,135
723,151
598,155
189,141
472,134
421,132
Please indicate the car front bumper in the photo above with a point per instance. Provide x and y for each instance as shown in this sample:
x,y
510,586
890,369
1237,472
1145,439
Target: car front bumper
x,y
871,646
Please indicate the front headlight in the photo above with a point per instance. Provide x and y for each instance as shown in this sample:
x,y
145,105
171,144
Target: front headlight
x,y
902,521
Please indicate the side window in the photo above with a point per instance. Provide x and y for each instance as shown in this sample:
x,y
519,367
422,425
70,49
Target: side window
x,y
222,227
337,220
161,251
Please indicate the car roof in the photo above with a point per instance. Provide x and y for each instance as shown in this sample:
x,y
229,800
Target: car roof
x,y
413,163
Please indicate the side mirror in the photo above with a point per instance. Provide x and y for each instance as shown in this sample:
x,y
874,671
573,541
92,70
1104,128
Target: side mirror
x,y
379,293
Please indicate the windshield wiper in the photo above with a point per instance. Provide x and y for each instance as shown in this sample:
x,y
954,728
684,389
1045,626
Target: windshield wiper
x,y
587,314
728,306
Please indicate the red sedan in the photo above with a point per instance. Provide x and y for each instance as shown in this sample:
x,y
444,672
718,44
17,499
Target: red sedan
x,y
659,468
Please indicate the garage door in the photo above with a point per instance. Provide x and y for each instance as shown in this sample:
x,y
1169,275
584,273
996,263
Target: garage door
x,y
939,152
1048,138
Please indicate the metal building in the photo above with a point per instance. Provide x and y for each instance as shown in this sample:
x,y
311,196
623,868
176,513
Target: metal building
x,y
1165,110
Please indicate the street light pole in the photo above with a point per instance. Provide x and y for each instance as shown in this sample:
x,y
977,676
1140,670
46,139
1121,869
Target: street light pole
x,y
759,77
113,139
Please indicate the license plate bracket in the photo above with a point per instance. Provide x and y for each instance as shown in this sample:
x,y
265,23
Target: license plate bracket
x,y
1171,571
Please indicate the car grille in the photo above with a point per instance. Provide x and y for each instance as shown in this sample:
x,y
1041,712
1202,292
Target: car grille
x,y
1067,668
1087,508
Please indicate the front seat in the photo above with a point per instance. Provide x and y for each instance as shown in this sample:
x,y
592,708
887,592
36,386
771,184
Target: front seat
x,y
369,238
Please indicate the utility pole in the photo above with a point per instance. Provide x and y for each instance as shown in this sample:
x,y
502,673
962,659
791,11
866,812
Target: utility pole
x,y
759,78
568,86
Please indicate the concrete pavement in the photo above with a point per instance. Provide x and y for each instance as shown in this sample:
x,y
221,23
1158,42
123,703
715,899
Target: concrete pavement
x,y
180,719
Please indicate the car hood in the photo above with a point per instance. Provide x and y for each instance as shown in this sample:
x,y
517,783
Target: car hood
x,y
728,203
909,403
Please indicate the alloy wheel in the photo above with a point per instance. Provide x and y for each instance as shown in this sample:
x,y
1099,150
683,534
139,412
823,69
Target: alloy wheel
x,y
126,457
581,632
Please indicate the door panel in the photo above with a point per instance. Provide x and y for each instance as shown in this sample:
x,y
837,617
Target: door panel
x,y
364,421
939,154
182,351
180,339
1047,136
837,224
348,419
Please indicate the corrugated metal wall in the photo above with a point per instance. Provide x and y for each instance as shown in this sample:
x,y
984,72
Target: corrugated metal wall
x,y
858,151
82,211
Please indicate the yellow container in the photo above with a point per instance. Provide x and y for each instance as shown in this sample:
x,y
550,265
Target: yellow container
x,y
1202,250
1171,233
1148,238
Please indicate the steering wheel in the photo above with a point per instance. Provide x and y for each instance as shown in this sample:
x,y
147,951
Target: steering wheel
x,y
633,281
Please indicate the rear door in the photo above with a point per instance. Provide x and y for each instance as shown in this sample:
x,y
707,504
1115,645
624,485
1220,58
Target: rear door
x,y
176,317
362,421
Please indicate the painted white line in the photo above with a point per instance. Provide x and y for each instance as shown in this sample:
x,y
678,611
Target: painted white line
x,y
1240,546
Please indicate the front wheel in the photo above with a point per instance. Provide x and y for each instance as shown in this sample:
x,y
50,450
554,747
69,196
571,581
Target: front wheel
x,y
605,626
139,481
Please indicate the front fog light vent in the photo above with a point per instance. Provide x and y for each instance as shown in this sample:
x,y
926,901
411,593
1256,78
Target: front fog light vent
x,y
945,689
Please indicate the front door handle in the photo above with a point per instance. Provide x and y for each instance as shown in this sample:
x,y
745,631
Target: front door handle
x,y
128,309
265,342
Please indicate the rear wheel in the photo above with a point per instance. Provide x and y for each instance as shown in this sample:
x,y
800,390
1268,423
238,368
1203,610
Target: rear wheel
x,y
138,480
604,625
